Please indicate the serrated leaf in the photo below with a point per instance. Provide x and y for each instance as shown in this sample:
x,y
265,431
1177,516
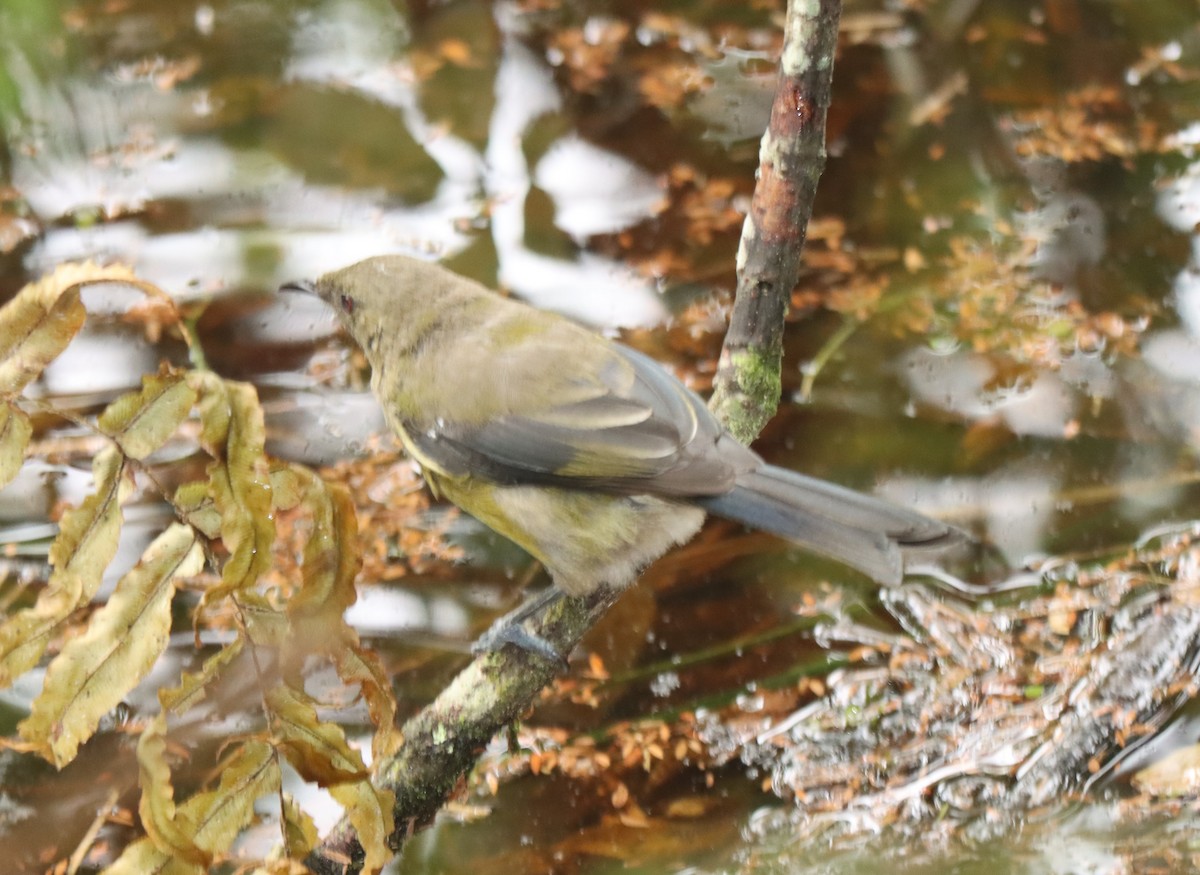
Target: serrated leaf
x,y
216,816
319,752
86,543
330,560
123,639
317,749
194,684
299,832
266,625
144,858
87,535
370,811
232,430
195,506
141,422
357,665
288,483
213,403
25,635
15,431
40,320
170,834
33,332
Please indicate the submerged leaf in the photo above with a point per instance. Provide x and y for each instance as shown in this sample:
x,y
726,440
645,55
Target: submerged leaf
x,y
140,422
214,818
124,638
1176,774
15,431
86,544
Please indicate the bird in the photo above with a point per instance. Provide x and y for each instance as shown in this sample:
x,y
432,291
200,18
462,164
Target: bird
x,y
586,453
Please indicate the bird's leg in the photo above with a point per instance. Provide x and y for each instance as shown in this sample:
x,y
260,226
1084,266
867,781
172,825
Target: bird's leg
x,y
510,629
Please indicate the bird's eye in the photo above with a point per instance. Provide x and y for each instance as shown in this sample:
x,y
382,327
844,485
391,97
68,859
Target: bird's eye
x,y
347,303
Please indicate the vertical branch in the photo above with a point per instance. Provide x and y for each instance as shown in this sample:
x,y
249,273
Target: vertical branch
x,y
791,158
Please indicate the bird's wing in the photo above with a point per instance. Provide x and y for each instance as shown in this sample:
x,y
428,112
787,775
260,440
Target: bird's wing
x,y
633,429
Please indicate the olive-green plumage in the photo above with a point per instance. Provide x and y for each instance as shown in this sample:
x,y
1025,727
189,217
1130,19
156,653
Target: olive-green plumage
x,y
584,452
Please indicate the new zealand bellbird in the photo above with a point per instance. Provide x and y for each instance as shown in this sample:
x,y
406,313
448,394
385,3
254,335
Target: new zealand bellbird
x,y
586,453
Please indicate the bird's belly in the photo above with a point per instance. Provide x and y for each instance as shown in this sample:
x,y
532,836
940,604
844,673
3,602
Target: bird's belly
x,y
584,539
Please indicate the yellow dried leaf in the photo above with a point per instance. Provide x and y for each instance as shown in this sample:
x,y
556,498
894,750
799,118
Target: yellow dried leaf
x,y
123,639
33,331
299,832
331,556
317,749
87,535
141,422
40,320
86,543
15,431
288,483
171,834
331,560
265,624
144,858
73,274
357,665
233,432
369,810
25,634
193,685
195,506
215,816
213,402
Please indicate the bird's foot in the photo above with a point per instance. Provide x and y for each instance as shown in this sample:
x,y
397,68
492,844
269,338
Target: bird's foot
x,y
510,629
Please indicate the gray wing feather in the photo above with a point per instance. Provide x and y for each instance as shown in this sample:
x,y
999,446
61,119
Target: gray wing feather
x,y
642,432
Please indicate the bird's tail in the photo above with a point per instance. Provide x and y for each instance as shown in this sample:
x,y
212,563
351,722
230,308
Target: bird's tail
x,y
863,532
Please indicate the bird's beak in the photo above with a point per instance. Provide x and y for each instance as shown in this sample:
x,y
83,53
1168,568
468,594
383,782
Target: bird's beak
x,y
302,286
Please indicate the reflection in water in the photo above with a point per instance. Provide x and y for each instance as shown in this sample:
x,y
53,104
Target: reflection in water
x,y
965,383
589,288
109,147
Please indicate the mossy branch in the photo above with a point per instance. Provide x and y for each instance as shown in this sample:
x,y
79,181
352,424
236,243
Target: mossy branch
x,y
791,158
